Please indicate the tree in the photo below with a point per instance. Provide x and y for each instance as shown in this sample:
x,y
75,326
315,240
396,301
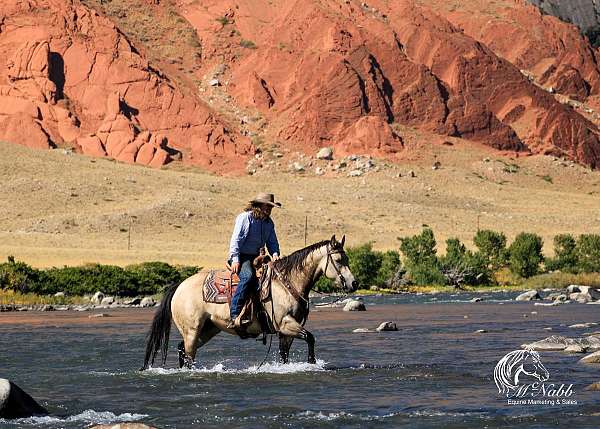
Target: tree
x,y
364,263
461,266
421,260
588,253
565,254
389,268
526,254
492,247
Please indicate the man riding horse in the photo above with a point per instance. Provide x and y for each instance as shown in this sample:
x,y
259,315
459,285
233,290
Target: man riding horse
x,y
253,229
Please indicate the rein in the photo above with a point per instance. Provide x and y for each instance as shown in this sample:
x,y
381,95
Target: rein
x,y
297,295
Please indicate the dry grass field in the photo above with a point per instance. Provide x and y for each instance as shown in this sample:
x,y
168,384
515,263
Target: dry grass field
x,y
59,208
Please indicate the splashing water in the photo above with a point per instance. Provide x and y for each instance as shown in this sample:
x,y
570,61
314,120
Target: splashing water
x,y
267,368
87,416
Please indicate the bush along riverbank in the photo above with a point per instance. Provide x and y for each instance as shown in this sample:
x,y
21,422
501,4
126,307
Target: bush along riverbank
x,y
415,267
87,286
492,266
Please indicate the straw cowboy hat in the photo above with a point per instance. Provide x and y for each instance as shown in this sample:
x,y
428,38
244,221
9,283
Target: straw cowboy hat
x,y
264,198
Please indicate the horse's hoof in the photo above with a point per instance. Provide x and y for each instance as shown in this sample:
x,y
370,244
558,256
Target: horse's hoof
x,y
312,361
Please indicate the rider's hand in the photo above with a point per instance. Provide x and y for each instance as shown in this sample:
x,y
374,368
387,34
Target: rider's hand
x,y
235,267
275,257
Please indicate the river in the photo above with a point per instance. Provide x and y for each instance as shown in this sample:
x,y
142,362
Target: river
x,y
435,371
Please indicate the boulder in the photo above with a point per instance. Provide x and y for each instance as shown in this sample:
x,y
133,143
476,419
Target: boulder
x,y
148,302
583,325
59,295
553,343
528,296
355,305
97,298
592,293
325,153
387,326
107,300
476,299
553,296
133,301
16,403
575,348
591,358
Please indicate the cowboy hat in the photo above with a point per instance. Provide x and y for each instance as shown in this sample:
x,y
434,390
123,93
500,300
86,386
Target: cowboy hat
x,y
264,198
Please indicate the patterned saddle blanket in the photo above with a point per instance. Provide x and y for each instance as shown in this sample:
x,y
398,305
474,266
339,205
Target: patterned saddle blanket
x,y
220,286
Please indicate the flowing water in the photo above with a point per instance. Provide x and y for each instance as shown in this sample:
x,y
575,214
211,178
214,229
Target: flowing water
x,y
435,371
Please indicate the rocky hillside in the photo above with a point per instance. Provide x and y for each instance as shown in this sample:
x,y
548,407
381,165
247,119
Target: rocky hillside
x,y
583,13
211,83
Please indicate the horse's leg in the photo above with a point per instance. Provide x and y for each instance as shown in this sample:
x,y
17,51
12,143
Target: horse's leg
x,y
209,330
194,339
290,327
187,353
181,353
285,343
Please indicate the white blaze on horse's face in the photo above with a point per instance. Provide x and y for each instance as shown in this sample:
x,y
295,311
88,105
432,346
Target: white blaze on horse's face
x,y
335,265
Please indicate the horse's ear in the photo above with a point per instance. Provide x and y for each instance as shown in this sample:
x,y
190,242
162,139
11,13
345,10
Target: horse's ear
x,y
343,240
333,240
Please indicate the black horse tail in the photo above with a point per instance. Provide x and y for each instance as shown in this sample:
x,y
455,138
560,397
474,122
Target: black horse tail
x,y
158,336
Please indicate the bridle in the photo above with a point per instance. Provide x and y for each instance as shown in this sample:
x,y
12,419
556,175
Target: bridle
x,y
294,292
335,267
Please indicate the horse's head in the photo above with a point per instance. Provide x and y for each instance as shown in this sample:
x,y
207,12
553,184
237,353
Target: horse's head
x,y
335,265
533,367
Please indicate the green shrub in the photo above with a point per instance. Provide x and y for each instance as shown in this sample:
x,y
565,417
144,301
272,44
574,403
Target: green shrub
x,y
588,253
461,266
147,278
390,264
369,267
20,277
152,277
565,254
186,271
492,248
88,279
526,254
364,263
324,285
420,259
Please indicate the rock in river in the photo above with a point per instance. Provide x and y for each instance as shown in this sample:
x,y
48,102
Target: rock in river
x,y
97,298
591,358
528,296
16,403
147,302
355,305
387,326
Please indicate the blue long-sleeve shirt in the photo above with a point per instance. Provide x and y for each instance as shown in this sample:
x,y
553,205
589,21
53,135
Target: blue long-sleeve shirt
x,y
250,234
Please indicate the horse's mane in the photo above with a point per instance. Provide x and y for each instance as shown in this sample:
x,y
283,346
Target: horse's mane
x,y
297,259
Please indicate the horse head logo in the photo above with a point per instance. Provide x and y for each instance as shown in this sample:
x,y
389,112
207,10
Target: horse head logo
x,y
517,365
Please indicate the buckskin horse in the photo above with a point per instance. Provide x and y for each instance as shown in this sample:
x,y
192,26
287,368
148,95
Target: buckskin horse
x,y
293,277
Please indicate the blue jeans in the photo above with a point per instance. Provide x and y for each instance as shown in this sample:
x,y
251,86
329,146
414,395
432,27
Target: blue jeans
x,y
248,284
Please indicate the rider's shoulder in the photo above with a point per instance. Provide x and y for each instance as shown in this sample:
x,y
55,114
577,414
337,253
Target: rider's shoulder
x,y
243,216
